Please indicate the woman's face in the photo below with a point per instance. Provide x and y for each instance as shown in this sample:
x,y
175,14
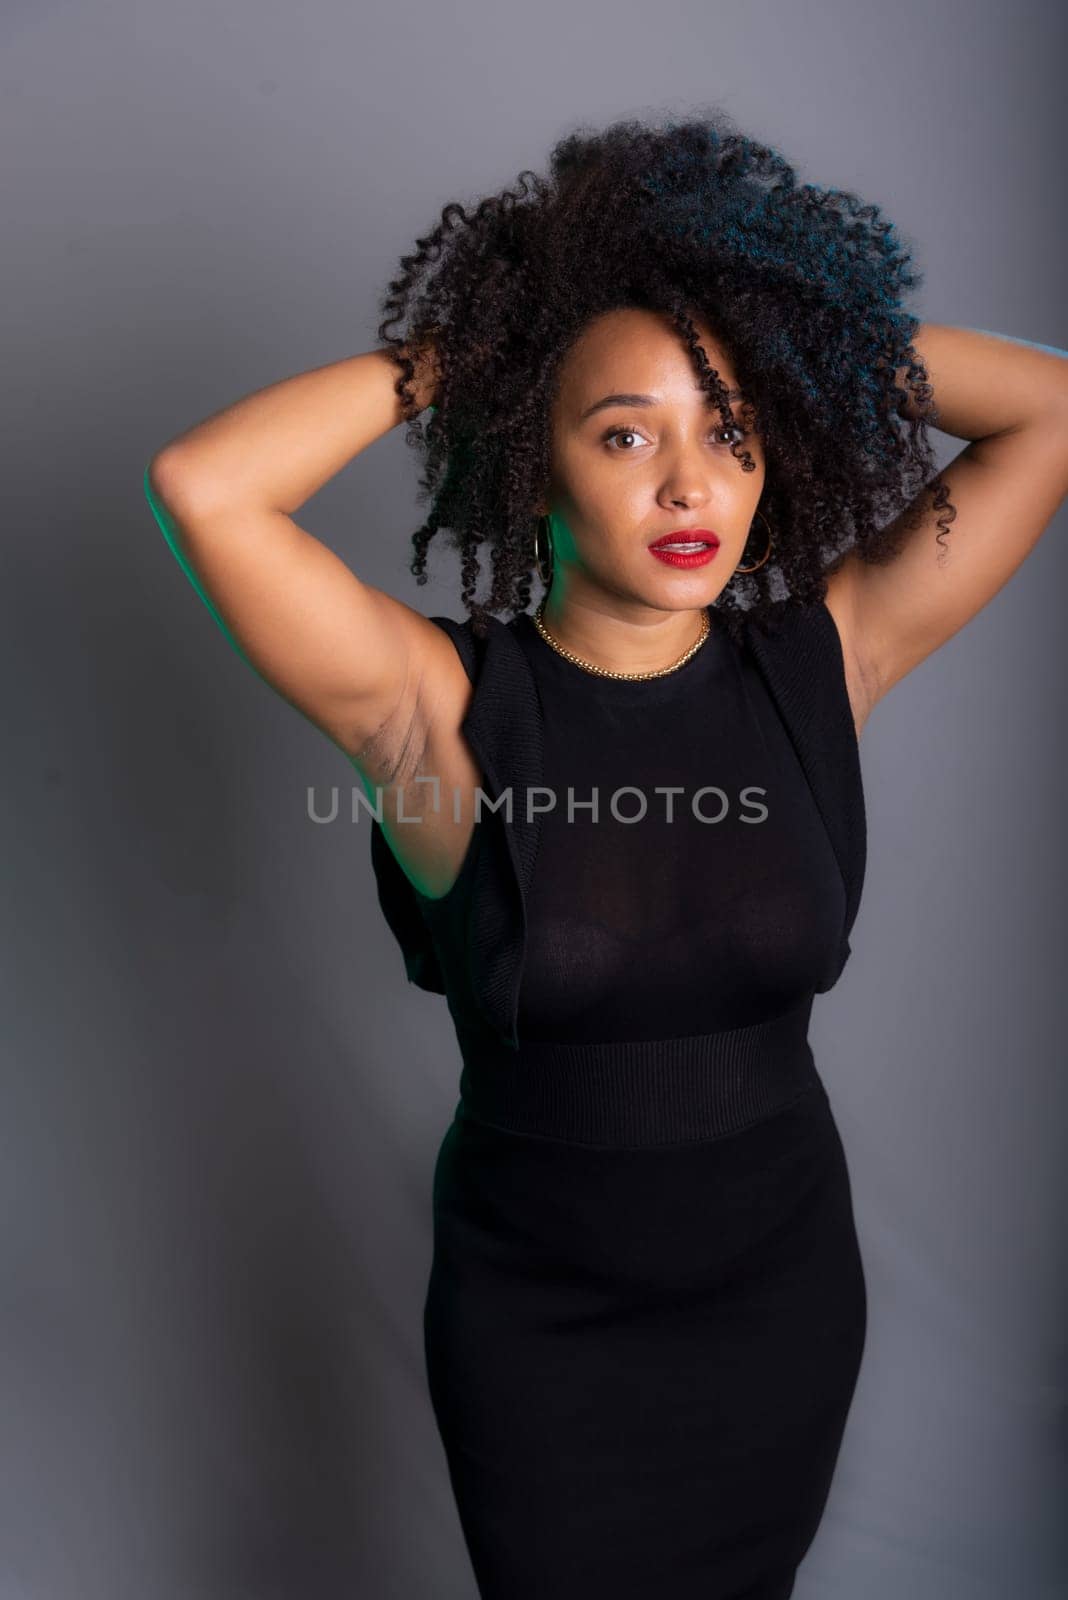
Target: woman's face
x,y
627,472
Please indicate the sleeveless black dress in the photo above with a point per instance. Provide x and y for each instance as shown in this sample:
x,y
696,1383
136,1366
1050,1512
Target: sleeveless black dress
x,y
646,1311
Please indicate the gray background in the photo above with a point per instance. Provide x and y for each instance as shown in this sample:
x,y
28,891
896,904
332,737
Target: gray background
x,y
221,1100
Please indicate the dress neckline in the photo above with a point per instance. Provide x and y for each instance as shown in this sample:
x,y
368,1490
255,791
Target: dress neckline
x,y
542,653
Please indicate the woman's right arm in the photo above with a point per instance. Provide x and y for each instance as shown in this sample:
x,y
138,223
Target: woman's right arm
x,y
347,655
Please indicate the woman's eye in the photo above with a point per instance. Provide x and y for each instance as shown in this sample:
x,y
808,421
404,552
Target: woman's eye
x,y
632,433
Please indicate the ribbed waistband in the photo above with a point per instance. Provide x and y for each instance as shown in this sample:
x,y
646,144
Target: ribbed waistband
x,y
660,1091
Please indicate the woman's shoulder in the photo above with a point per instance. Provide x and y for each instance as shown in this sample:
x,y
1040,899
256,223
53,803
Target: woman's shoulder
x,y
810,642
798,646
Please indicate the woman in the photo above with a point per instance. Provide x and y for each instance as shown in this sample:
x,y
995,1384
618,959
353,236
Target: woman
x,y
682,390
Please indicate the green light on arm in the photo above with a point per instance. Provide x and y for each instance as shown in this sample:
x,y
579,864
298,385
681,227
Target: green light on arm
x,y
170,533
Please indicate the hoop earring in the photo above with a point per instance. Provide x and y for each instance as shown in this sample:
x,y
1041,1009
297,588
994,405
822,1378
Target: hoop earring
x,y
767,552
546,577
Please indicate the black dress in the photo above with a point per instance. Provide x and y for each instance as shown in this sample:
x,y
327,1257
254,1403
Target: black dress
x,y
646,1310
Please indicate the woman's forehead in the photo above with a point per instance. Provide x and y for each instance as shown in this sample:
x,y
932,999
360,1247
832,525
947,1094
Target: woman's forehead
x,y
638,353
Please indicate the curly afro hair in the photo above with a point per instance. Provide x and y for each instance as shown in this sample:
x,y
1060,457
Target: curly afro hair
x,y
801,285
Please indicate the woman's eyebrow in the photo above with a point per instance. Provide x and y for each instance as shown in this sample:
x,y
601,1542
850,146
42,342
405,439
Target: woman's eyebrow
x,y
638,400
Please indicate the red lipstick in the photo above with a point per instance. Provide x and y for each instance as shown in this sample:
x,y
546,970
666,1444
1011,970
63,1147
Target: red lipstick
x,y
699,545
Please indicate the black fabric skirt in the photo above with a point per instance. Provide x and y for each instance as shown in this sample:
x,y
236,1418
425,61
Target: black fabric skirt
x,y
641,1360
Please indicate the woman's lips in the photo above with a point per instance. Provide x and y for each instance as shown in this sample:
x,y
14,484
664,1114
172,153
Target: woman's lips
x,y
703,547
681,535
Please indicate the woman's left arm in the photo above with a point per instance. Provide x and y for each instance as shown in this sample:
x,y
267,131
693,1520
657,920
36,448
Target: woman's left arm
x,y
1010,398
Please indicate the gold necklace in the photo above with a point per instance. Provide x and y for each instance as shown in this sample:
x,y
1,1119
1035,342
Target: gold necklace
x,y
604,672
